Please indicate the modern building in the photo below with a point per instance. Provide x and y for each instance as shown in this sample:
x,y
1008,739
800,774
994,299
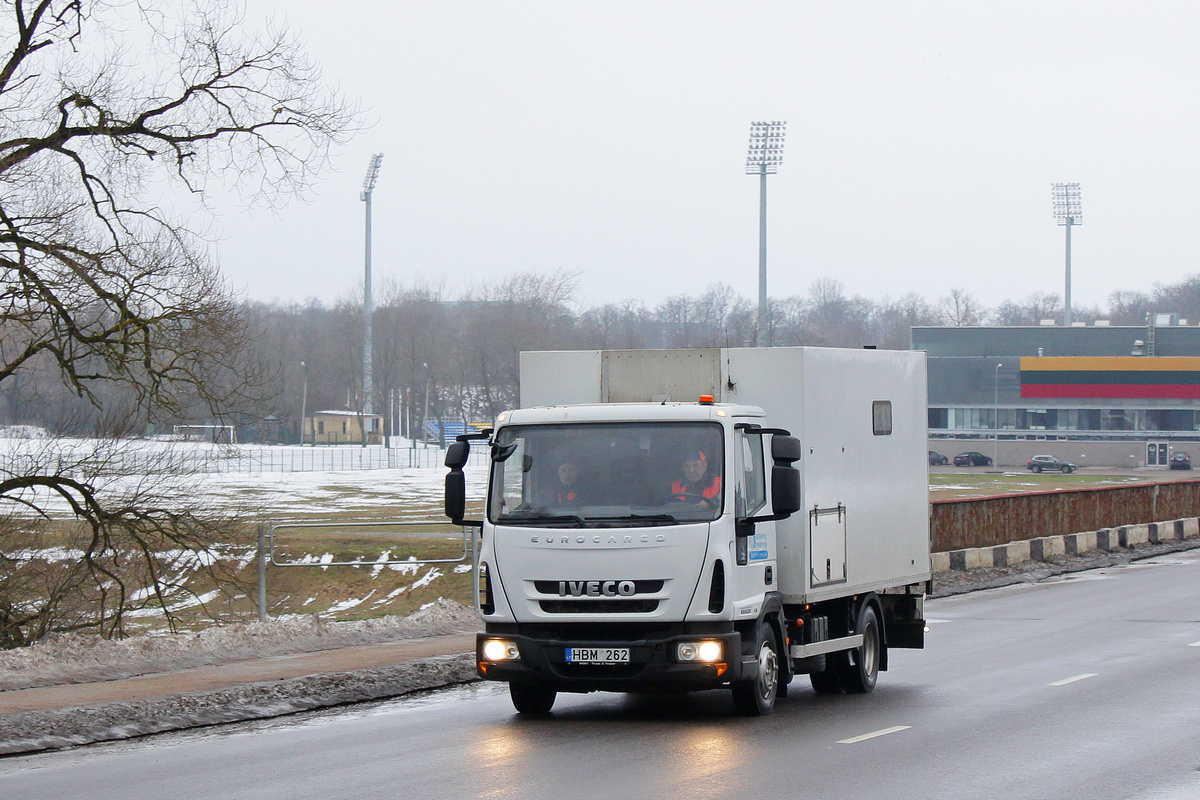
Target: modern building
x,y
1093,394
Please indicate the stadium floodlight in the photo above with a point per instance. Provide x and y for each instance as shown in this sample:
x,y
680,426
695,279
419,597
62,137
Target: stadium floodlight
x,y
763,158
368,308
1068,211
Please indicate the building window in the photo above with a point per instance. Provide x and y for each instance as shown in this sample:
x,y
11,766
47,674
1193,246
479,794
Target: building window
x,y
939,418
881,417
1117,419
321,426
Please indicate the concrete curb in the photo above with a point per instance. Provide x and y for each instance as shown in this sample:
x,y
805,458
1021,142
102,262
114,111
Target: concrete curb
x,y
1068,544
31,731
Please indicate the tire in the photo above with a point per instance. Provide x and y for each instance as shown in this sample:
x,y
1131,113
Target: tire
x,y
755,697
1066,470
1037,469
859,668
827,680
531,699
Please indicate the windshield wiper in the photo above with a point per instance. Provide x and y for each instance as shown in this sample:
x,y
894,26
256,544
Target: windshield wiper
x,y
666,519
544,518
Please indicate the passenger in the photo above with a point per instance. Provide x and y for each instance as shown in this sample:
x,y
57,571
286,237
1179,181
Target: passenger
x,y
569,484
697,482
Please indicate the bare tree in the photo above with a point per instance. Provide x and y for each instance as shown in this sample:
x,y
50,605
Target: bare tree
x,y
1031,311
107,286
959,309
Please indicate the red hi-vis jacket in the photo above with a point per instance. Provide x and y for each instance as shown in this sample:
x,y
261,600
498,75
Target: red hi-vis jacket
x,y
712,490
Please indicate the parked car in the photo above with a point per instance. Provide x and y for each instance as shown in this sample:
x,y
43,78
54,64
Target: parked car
x,y
972,459
1049,463
1181,460
937,459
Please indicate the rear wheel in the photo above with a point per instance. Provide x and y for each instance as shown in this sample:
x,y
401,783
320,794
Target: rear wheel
x,y
1036,468
755,697
859,668
528,698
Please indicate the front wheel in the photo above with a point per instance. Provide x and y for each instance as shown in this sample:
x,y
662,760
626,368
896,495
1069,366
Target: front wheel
x,y
755,697
1066,470
528,698
859,668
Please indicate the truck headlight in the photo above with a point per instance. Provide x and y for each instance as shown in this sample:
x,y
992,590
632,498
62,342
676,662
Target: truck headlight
x,y
706,652
500,650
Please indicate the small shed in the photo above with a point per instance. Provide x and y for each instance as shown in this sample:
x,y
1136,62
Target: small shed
x,y
343,427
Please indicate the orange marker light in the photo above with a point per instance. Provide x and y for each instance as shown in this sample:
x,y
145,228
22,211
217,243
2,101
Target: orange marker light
x,y
706,399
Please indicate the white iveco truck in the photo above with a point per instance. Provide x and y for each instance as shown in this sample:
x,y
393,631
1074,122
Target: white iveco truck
x,y
693,519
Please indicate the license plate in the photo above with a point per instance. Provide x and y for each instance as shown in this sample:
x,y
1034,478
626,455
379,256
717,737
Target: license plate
x,y
597,655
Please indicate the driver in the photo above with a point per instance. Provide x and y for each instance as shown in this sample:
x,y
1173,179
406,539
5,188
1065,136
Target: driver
x,y
569,483
696,481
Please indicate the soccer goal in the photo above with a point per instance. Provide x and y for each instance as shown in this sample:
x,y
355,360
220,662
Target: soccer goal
x,y
215,434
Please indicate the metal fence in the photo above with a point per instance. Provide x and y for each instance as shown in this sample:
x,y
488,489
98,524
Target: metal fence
x,y
247,459
990,521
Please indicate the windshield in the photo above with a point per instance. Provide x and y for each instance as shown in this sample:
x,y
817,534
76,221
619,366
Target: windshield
x,y
607,475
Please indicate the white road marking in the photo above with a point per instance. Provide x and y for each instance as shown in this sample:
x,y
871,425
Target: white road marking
x,y
1082,677
1194,644
884,732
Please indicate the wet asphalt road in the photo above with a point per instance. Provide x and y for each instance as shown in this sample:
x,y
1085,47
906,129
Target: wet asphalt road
x,y
1085,686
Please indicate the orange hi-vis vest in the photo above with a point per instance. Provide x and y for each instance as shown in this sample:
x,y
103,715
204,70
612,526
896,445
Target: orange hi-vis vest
x,y
710,491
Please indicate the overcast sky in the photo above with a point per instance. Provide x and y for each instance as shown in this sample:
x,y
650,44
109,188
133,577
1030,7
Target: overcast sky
x,y
610,138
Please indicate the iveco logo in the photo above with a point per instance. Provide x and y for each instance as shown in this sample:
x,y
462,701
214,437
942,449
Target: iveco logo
x,y
644,538
596,588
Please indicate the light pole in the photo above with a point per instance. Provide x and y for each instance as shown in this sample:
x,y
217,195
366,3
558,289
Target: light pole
x,y
425,408
763,159
1068,211
303,402
365,196
996,418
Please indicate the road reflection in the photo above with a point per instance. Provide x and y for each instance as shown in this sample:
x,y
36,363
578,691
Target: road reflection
x,y
681,741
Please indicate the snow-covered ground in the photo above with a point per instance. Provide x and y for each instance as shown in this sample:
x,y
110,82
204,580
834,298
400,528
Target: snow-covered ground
x,y
276,483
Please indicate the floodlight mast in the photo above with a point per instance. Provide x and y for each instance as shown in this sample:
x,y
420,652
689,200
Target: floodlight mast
x,y
368,307
763,159
1068,211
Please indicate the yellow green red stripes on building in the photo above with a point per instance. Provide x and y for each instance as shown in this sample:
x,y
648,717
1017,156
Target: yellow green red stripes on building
x,y
1103,377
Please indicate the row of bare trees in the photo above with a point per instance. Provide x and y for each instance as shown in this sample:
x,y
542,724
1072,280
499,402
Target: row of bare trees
x,y
437,355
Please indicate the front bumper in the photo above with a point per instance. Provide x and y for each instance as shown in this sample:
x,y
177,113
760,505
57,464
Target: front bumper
x,y
651,666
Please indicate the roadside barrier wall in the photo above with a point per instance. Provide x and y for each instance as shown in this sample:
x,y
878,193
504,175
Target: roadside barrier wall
x,y
1005,530
990,521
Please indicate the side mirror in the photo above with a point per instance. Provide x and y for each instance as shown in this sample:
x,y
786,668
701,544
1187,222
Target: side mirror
x,y
785,490
457,455
456,482
785,448
456,493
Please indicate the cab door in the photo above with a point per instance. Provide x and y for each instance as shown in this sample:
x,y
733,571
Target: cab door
x,y
755,548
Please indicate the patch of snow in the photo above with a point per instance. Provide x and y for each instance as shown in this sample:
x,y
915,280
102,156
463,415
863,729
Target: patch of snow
x,y
81,658
433,574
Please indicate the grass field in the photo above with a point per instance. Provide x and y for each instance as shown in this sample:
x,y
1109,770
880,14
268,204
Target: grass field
x,y
955,485
392,572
